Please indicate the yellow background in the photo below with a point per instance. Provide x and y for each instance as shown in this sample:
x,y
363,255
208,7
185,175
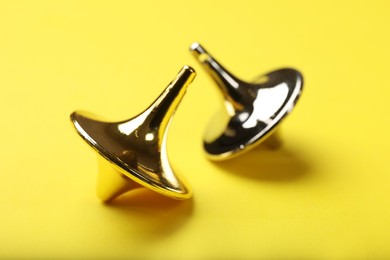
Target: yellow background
x,y
324,194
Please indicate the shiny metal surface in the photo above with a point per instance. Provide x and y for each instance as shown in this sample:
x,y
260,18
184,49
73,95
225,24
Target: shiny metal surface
x,y
251,111
132,153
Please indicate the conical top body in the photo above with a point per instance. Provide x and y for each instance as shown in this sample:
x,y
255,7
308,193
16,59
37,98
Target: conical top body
x,y
136,148
251,111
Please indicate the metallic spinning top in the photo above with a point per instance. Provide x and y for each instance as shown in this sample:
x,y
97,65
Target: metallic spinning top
x,y
252,111
132,153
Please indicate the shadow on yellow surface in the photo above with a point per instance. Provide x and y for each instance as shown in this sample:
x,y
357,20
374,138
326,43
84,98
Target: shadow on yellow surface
x,y
270,161
155,214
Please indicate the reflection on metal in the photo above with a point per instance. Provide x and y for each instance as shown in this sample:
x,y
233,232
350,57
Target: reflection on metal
x,y
251,111
132,153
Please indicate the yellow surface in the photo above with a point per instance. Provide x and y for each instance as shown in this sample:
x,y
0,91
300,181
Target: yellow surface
x,y
323,194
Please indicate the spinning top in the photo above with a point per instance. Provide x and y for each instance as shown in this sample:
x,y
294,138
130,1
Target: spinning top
x,y
252,111
132,153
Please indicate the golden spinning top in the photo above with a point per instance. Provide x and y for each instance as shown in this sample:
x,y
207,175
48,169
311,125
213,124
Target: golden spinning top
x,y
132,153
251,112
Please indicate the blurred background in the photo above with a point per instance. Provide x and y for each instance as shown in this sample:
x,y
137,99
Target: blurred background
x,y
324,193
